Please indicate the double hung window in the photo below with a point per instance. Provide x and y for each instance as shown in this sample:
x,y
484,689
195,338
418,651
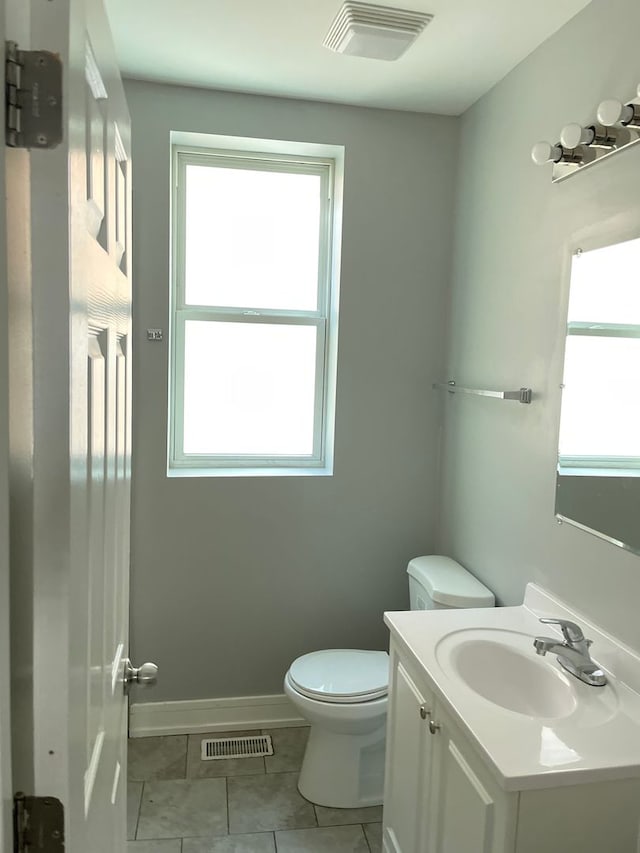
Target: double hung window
x,y
254,308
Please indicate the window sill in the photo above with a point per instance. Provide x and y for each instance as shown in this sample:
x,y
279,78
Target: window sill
x,y
249,472
569,471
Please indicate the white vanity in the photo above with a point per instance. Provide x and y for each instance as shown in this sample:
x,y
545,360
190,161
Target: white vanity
x,y
493,749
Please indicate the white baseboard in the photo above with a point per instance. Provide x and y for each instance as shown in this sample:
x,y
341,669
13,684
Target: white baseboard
x,y
212,715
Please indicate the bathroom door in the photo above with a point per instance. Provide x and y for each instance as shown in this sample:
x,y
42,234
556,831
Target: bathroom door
x,y
69,249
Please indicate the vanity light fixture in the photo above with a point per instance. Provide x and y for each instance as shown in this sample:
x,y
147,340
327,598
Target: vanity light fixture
x,y
617,126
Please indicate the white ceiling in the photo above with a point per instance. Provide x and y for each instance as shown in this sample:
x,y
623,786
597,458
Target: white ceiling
x,y
274,47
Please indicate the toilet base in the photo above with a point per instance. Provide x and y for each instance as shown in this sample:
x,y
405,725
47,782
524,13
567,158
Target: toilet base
x,y
343,771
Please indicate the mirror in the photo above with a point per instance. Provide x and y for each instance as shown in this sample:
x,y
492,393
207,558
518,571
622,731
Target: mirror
x,y
598,480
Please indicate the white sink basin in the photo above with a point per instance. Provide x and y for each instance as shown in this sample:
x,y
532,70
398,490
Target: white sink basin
x,y
538,725
502,667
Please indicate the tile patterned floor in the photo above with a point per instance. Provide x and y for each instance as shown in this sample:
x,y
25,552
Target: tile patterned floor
x,y
179,804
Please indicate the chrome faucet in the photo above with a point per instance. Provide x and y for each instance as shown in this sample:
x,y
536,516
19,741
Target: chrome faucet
x,y
573,653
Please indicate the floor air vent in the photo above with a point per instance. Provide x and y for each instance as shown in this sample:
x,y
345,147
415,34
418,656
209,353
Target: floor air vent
x,y
236,747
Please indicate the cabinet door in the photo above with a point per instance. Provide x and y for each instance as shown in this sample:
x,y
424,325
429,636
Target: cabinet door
x,y
469,812
409,747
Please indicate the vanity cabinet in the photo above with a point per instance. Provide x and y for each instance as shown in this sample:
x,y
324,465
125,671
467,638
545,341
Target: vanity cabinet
x,y
438,796
442,797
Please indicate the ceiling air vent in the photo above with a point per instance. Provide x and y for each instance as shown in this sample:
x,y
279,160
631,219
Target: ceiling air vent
x,y
376,32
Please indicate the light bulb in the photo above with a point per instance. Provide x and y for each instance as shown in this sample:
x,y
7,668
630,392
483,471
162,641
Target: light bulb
x,y
573,135
545,152
611,112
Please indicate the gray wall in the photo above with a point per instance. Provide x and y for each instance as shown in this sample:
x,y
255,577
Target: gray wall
x,y
233,578
508,311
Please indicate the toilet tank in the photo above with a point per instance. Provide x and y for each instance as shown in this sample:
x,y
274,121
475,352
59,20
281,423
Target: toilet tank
x,y
440,583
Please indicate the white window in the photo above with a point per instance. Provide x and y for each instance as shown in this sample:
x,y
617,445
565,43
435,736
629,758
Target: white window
x,y
254,313
600,418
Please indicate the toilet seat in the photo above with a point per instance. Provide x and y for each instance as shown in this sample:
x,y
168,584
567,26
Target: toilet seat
x,y
341,675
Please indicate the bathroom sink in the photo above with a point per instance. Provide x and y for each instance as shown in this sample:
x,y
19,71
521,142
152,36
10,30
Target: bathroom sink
x,y
535,721
502,667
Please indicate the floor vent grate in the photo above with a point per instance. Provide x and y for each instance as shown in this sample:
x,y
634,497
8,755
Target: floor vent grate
x,y
236,747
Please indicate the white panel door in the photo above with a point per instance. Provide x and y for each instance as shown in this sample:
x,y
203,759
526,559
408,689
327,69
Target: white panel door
x,y
70,512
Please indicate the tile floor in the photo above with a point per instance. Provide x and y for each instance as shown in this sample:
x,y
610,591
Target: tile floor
x,y
180,804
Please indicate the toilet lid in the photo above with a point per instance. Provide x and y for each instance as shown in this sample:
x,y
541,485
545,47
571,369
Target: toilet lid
x,y
341,675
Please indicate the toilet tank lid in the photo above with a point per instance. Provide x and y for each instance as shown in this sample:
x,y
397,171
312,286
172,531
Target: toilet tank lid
x,y
449,583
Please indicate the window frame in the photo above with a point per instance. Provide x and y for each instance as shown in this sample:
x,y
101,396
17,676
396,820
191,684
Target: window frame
x,y
589,465
323,318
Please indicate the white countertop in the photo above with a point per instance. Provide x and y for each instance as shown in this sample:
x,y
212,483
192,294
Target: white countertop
x,y
598,740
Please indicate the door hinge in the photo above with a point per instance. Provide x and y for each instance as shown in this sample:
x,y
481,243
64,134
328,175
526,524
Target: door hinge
x,y
33,98
38,824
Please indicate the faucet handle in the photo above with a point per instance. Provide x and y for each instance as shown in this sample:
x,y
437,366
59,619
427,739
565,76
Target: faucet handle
x,y
570,631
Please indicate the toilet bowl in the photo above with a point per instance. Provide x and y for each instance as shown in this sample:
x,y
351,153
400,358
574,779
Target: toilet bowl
x,y
342,693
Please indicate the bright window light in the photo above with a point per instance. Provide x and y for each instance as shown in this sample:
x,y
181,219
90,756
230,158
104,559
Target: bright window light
x,y
252,238
249,389
600,418
254,313
604,285
600,411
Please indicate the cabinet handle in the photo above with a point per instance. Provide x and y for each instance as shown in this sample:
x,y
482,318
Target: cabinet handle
x,y
424,712
434,727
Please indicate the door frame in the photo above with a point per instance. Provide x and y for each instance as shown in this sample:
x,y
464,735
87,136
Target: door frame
x,y
6,785
15,457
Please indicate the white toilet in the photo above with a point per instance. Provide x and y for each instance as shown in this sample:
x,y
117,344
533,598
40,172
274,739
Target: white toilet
x,y
343,695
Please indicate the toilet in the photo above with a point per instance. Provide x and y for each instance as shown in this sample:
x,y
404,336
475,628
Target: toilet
x,y
343,695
